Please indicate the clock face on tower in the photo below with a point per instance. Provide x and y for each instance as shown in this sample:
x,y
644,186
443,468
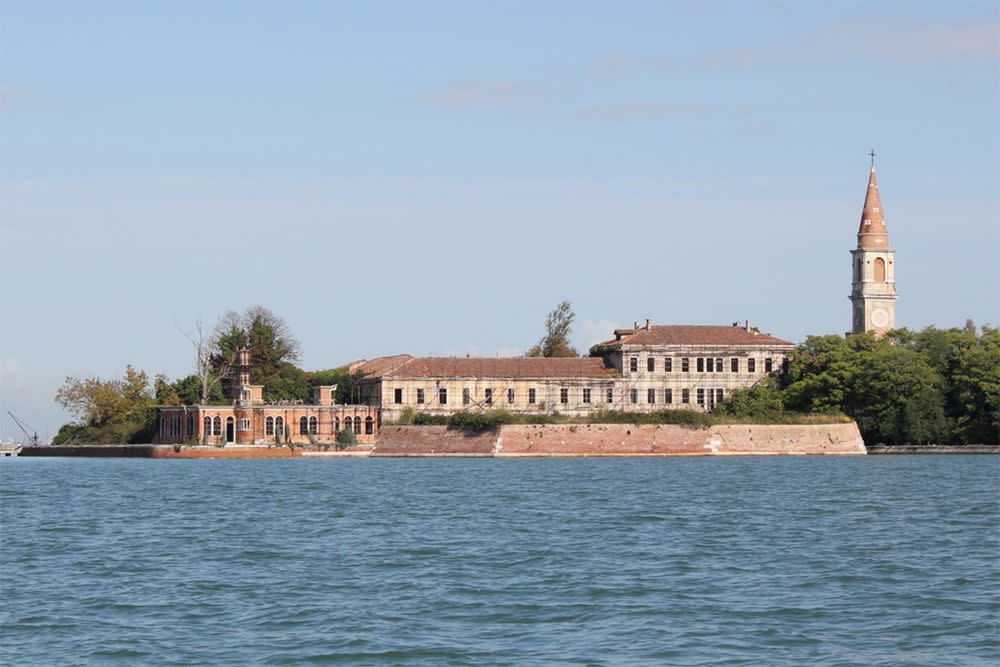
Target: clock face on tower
x,y
880,317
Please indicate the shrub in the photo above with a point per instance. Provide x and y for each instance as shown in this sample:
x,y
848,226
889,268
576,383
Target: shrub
x,y
346,439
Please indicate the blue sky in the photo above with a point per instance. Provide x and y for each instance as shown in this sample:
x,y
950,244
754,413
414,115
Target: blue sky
x,y
435,177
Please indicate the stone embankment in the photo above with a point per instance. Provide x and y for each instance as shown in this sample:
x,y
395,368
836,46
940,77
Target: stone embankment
x,y
528,440
553,440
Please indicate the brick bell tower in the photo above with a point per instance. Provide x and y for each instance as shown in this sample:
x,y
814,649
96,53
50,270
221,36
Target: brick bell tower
x,y
873,288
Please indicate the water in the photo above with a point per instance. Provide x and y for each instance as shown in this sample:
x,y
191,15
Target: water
x,y
779,561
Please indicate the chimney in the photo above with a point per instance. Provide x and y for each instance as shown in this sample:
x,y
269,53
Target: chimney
x,y
749,327
635,324
649,324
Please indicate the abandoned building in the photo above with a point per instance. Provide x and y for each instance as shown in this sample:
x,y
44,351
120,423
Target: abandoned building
x,y
252,420
641,369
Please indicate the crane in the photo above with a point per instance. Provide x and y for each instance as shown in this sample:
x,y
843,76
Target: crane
x,y
32,437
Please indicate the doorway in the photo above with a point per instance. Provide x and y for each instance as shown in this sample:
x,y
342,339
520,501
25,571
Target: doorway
x,y
230,430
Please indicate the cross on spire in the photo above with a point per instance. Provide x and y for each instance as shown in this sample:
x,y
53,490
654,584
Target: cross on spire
x,y
872,154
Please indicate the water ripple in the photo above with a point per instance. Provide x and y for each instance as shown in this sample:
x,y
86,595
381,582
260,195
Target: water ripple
x,y
873,561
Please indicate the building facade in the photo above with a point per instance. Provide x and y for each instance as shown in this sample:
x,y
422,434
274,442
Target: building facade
x,y
873,285
251,420
642,369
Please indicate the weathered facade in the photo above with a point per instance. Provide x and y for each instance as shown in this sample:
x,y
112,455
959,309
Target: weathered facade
x,y
873,287
642,369
251,420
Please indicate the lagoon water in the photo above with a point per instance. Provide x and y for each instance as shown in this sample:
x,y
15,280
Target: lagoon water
x,y
778,561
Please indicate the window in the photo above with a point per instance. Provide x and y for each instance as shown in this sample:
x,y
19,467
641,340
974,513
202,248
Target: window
x,y
651,396
333,395
701,396
710,365
397,396
208,426
685,365
668,365
489,396
420,396
336,425
685,396
701,364
466,396
443,396
269,426
313,426
563,395
279,426
217,425
633,395
734,364
511,396
651,364
357,425
369,426
531,396
718,364
633,364
668,396
719,395
768,365
879,270
751,365
586,395
303,426
244,424
609,395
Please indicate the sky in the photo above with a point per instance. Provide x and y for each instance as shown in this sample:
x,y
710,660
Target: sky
x,y
433,178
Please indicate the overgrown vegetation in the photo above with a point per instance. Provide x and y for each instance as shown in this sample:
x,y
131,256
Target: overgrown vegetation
x,y
934,386
555,342
492,419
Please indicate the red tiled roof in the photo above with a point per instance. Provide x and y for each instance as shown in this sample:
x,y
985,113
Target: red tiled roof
x,y
692,334
485,367
379,366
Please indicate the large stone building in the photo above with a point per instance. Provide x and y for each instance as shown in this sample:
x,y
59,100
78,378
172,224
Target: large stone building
x,y
641,369
873,288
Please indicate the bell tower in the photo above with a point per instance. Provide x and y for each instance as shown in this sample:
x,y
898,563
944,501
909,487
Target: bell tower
x,y
873,287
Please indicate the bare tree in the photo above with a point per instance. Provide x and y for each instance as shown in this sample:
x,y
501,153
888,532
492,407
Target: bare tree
x,y
205,341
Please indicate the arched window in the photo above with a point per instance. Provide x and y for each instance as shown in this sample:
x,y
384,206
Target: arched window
x,y
336,424
879,270
369,426
357,425
303,425
208,426
313,426
269,426
217,425
279,426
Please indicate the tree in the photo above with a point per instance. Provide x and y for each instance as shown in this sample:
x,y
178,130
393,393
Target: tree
x,y
97,402
264,333
555,342
205,343
976,383
761,401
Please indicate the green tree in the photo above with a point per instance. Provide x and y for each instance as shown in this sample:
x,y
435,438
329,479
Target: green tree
x,y
269,340
762,401
976,383
555,342
97,402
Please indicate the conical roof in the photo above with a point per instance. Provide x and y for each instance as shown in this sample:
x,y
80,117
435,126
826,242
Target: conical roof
x,y
872,233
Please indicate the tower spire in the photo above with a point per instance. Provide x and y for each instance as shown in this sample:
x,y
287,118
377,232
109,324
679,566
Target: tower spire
x,y
872,232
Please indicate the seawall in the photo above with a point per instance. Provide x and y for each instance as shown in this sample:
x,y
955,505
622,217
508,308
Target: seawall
x,y
553,440
161,452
